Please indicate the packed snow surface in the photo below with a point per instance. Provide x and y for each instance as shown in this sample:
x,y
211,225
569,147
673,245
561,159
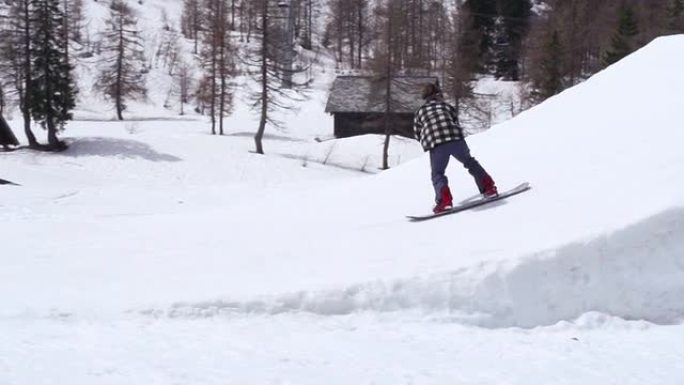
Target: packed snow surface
x,y
151,252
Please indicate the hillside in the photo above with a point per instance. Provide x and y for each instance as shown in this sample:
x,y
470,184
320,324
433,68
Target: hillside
x,y
158,23
152,252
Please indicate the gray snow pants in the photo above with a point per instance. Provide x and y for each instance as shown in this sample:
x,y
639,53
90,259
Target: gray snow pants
x,y
439,159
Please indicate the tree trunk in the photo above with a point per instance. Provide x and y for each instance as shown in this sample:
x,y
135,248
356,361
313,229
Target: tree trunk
x,y
262,128
385,147
33,142
352,41
388,96
222,64
264,82
214,32
250,16
340,31
53,141
232,15
309,32
119,71
28,88
360,31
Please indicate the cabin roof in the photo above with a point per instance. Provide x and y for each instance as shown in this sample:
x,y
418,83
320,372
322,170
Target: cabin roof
x,y
363,94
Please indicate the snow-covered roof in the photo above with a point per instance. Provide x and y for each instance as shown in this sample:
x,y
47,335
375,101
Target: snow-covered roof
x,y
367,94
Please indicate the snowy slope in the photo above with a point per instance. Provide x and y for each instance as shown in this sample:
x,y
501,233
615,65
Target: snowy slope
x,y
592,161
312,274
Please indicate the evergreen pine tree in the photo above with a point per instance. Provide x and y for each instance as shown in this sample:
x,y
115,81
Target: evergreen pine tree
x,y
483,13
122,74
676,16
462,62
54,91
16,63
549,81
515,24
502,26
504,65
621,44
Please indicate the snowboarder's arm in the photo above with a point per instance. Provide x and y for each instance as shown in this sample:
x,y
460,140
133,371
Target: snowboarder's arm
x,y
417,126
454,114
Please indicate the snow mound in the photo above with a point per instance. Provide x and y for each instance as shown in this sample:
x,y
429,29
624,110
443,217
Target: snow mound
x,y
636,274
602,231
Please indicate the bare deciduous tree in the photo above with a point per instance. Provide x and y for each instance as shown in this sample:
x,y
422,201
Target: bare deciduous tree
x,y
191,21
183,83
271,66
350,28
217,61
383,64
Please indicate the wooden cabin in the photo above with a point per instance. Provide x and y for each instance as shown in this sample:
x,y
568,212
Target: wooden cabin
x,y
358,104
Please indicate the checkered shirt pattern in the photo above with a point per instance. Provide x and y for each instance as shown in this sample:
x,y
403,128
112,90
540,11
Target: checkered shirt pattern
x,y
435,123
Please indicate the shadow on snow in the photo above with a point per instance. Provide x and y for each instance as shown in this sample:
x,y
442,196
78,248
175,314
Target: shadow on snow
x,y
123,148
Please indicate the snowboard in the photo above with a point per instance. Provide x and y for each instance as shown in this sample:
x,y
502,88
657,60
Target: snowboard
x,y
472,203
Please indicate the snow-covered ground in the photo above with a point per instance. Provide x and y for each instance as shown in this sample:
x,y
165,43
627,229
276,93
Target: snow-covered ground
x,y
152,252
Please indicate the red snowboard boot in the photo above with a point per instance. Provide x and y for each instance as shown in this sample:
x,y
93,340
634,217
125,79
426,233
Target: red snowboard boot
x,y
489,187
445,201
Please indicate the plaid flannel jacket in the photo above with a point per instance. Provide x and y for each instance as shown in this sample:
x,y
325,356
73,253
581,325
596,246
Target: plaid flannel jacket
x,y
435,123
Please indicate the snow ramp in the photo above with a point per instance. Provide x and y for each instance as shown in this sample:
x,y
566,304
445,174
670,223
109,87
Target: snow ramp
x,y
602,230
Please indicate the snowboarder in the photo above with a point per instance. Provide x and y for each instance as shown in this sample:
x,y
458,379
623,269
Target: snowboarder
x,y
436,127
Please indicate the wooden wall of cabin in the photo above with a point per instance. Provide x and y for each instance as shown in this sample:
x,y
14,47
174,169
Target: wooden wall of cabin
x,y
354,124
